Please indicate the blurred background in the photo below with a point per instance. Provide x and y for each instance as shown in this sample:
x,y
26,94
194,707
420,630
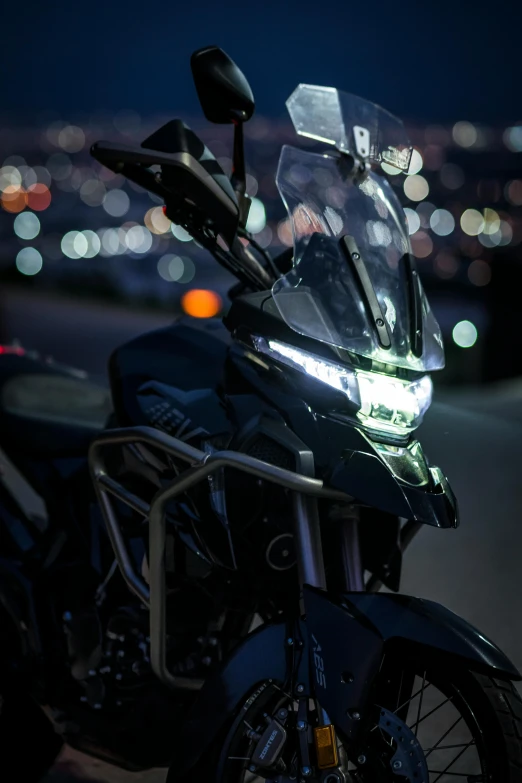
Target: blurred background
x,y
88,260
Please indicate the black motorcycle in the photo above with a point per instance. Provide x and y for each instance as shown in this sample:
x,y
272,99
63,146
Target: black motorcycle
x,y
195,585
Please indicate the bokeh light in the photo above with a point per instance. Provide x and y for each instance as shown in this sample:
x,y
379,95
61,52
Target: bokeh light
x,y
452,176
513,192
421,244
9,175
70,244
92,192
200,303
176,269
425,210
442,222
446,265
513,138
284,232
389,169
180,233
256,217
26,225
412,219
71,138
465,334
138,239
60,166
43,175
479,272
464,134
14,198
416,162
116,203
29,261
38,197
491,221
93,244
416,187
472,222
156,221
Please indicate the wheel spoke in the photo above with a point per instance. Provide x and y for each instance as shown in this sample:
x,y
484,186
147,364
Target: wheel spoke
x,y
412,697
454,774
448,747
445,772
445,735
420,703
434,710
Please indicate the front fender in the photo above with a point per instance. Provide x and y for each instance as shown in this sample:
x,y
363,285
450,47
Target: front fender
x,y
263,655
349,636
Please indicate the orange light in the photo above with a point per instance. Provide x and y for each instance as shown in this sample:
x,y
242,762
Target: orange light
x,y
38,197
326,746
14,198
200,303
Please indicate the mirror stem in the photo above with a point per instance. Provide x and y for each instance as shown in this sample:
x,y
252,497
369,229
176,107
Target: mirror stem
x,y
238,172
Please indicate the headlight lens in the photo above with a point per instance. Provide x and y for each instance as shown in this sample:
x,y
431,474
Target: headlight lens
x,y
392,404
386,404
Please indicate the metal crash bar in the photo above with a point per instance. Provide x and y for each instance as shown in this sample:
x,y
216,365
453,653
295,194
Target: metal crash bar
x,y
201,465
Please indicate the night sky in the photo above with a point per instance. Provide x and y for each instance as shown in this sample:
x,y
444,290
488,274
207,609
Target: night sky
x,y
424,61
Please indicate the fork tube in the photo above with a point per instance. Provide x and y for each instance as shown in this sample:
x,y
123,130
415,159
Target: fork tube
x,y
353,575
307,534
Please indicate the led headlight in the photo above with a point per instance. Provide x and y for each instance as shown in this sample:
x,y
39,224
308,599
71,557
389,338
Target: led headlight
x,y
386,404
391,404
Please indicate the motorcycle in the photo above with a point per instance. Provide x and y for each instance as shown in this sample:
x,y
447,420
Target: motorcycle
x,y
190,567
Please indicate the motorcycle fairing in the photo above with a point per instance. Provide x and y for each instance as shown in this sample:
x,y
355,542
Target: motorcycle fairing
x,y
343,454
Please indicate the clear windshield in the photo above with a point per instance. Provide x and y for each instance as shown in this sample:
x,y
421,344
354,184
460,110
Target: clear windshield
x,y
321,296
350,123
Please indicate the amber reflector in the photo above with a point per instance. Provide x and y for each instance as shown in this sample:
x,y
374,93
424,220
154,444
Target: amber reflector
x,y
326,747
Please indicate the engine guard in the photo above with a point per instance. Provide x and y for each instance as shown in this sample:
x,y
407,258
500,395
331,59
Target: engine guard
x,y
345,639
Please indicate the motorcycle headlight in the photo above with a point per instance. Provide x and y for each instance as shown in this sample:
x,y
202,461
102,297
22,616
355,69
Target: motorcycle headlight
x,y
390,404
386,404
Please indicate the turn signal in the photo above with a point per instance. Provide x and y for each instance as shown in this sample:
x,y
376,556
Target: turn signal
x,y
326,747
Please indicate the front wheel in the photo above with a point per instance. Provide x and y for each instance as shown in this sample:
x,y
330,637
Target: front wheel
x,y
429,722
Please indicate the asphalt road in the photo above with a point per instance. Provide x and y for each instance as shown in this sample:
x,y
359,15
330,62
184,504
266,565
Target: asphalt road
x,y
476,438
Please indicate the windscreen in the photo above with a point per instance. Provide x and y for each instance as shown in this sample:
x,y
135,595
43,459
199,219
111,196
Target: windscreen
x,y
323,297
350,123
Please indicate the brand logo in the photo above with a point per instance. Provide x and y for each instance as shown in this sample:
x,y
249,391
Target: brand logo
x,y
267,746
319,663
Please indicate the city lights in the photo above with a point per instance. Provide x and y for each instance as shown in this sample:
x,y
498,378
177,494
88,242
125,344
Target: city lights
x,y
416,187
26,225
479,272
180,233
472,222
412,219
200,303
176,269
116,203
29,261
465,334
442,222
156,221
464,134
415,162
256,217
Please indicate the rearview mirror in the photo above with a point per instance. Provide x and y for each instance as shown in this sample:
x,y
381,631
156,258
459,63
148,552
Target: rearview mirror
x,y
223,91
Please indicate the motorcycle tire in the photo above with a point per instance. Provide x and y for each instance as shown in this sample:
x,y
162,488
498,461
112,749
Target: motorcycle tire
x,y
28,743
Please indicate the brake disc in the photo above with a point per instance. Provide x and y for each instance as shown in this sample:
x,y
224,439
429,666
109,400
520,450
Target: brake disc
x,y
408,760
